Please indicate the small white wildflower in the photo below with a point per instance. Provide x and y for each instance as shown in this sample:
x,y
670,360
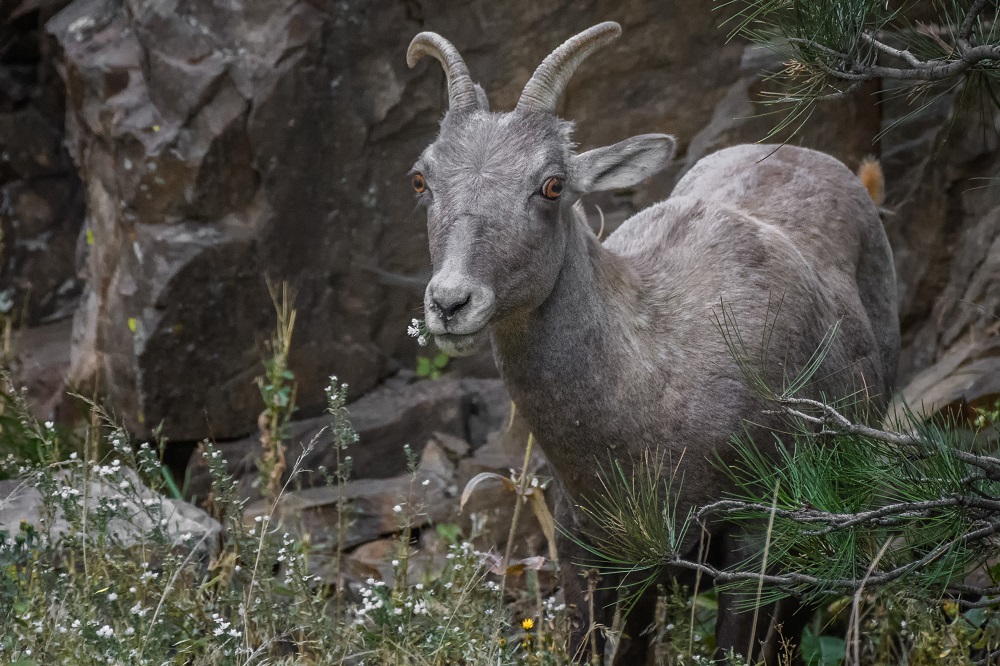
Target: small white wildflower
x,y
129,631
112,596
395,563
422,340
426,482
397,509
105,632
419,586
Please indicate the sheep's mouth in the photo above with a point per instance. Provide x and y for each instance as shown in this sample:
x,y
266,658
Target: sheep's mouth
x,y
454,344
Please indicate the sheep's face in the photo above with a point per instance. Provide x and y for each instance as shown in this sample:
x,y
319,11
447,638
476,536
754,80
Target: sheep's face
x,y
494,186
497,188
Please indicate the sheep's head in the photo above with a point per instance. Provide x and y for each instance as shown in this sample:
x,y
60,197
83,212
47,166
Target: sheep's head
x,y
498,187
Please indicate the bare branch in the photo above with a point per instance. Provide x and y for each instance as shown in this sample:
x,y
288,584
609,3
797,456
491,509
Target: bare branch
x,y
965,31
902,54
988,658
789,581
841,424
885,516
985,602
930,70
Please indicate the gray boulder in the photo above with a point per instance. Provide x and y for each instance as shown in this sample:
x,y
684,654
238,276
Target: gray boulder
x,y
187,526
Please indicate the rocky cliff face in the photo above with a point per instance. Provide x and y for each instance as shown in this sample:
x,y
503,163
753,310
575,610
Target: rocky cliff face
x,y
942,167
222,144
225,144
41,199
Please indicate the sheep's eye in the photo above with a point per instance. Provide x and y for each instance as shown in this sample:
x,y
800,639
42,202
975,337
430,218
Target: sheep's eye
x,y
419,183
552,188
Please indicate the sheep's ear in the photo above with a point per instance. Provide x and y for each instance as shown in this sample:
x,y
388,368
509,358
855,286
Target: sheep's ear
x,y
623,164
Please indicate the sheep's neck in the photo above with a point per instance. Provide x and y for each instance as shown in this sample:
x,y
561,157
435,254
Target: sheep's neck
x,y
572,364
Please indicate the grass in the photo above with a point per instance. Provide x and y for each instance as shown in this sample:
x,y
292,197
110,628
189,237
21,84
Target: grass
x,y
91,596
118,583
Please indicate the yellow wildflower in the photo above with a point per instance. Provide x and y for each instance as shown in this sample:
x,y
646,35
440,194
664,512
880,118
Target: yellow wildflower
x,y
527,624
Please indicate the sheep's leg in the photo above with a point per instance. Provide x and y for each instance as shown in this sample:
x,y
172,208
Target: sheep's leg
x,y
633,645
777,623
589,600
734,629
586,630
790,618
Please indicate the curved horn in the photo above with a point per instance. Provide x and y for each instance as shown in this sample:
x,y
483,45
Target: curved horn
x,y
461,91
542,92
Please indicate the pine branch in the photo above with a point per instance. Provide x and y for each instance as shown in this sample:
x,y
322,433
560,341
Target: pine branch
x,y
831,46
833,422
790,582
965,31
902,54
886,516
934,539
929,70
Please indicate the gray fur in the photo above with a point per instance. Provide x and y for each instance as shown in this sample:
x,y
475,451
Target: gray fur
x,y
611,350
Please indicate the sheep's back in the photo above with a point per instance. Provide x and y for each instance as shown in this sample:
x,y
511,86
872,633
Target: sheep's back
x,y
790,243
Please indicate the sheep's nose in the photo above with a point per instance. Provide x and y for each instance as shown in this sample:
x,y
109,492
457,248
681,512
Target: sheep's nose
x,y
450,302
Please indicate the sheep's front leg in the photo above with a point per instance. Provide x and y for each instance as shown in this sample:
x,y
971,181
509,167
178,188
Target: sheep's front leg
x,y
777,623
590,600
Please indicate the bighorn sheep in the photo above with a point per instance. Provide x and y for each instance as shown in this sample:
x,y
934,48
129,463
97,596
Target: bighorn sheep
x,y
610,349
